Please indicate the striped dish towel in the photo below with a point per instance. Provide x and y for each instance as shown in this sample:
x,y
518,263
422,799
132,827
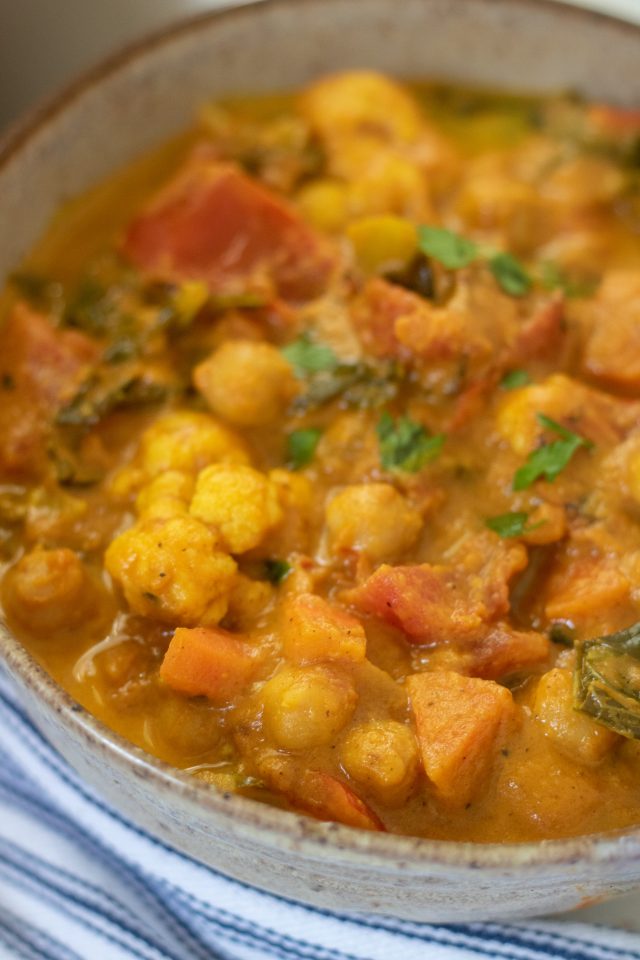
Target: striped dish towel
x,y
78,882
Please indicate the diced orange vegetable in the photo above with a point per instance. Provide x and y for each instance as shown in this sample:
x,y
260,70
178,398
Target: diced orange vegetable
x,y
504,651
41,368
328,798
460,723
588,587
421,600
313,629
207,662
213,223
318,793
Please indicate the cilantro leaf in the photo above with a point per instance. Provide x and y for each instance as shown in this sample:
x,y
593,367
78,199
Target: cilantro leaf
x,y
514,379
301,445
510,274
405,444
276,570
550,459
511,524
305,356
508,524
450,249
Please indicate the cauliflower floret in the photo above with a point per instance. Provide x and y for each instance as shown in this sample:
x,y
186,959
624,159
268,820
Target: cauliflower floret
x,y
361,101
171,569
166,496
188,441
246,382
372,518
238,502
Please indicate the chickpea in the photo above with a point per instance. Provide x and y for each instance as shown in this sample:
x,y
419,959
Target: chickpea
x,y
306,706
245,382
323,204
185,726
372,518
48,590
572,733
383,756
359,101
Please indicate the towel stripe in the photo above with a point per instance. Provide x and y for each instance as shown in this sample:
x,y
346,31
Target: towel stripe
x,y
110,891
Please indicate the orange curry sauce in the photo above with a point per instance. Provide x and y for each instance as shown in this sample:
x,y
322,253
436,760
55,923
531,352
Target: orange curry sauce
x,y
320,454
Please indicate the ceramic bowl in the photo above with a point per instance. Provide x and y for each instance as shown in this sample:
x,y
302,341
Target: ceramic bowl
x,y
133,103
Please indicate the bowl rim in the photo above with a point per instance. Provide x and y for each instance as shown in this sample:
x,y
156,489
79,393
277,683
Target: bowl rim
x,y
286,830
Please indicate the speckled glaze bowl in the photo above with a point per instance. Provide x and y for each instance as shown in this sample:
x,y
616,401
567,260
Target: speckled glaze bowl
x,y
128,106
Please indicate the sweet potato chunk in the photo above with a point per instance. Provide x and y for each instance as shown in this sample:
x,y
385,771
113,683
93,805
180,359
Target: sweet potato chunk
x,y
585,586
313,629
460,723
394,323
435,604
318,793
504,651
212,223
207,662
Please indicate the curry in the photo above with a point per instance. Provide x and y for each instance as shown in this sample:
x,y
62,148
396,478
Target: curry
x,y
320,456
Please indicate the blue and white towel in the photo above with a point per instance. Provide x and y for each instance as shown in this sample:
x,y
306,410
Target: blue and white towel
x,y
78,882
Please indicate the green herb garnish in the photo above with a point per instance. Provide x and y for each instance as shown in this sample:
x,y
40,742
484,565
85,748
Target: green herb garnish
x,y
510,524
607,680
276,570
515,379
510,274
301,445
550,459
306,357
450,249
405,444
455,252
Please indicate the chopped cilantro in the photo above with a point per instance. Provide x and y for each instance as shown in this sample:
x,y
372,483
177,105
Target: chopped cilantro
x,y
302,445
508,524
405,444
305,356
450,249
514,379
510,274
454,252
276,570
551,458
